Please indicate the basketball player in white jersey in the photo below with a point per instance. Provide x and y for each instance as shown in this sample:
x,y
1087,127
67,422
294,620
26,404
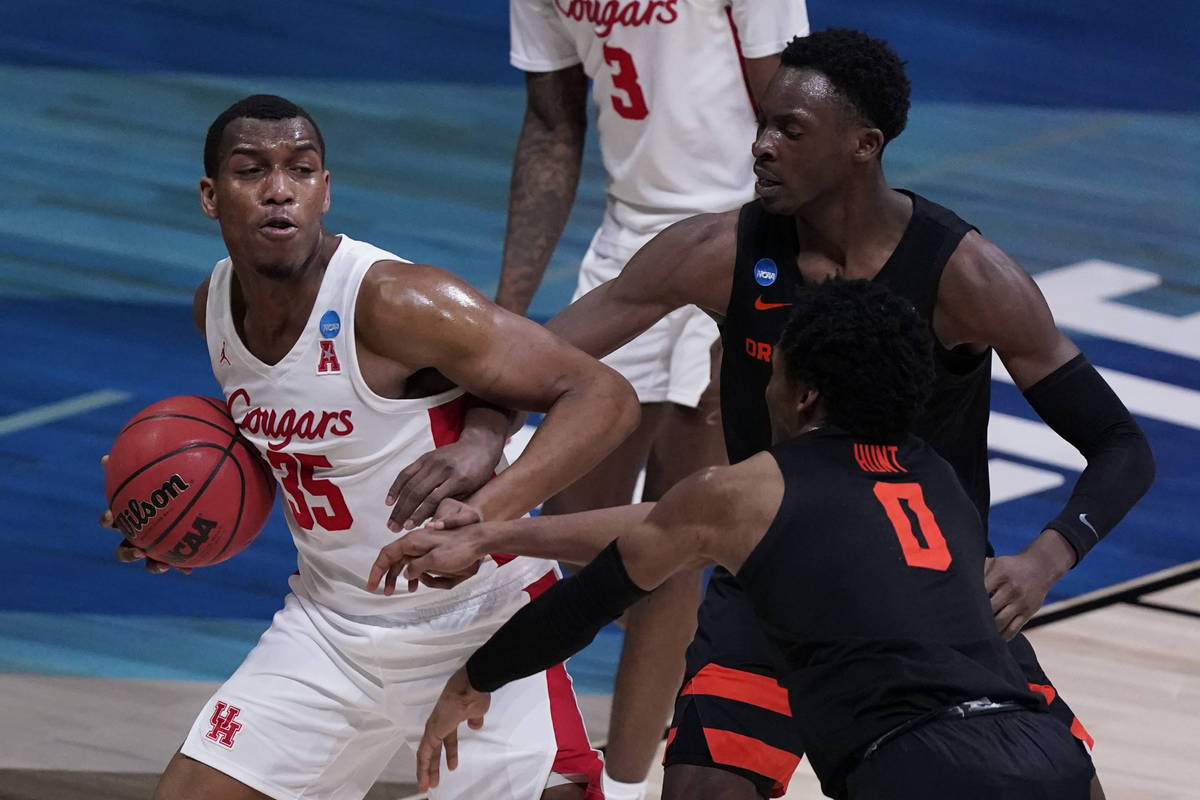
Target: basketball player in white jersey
x,y
673,82
343,363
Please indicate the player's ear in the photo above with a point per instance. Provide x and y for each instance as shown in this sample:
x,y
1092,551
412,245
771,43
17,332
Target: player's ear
x,y
808,401
325,205
867,144
208,197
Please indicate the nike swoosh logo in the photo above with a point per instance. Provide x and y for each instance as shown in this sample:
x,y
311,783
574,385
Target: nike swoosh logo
x,y
761,306
1083,518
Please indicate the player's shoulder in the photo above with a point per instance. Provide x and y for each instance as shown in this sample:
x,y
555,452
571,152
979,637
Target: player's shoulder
x,y
728,486
701,231
980,271
419,297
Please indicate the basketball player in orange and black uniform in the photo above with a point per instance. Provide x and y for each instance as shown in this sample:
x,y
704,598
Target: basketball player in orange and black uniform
x,y
862,558
824,209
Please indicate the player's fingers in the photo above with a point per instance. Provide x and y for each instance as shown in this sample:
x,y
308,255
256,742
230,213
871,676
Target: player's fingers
x,y
1004,618
383,562
441,581
451,745
104,460
1013,628
458,516
475,723
156,567
428,755
127,553
106,519
1000,598
426,507
389,584
402,480
407,512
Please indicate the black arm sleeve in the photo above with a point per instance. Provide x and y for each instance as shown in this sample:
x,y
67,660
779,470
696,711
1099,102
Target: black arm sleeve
x,y
1083,409
559,623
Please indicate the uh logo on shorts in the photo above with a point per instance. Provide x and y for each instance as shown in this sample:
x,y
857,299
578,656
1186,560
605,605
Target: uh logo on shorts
x,y
224,724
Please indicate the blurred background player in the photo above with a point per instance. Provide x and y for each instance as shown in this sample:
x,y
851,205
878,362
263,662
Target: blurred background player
x,y
674,84
342,363
863,557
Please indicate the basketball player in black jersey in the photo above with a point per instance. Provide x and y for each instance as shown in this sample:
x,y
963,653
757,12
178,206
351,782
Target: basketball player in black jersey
x,y
825,209
862,557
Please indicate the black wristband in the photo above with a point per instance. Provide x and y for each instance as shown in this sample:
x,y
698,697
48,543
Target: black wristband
x,y
559,623
1082,408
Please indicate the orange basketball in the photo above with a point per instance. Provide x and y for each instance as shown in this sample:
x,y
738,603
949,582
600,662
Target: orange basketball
x,y
184,485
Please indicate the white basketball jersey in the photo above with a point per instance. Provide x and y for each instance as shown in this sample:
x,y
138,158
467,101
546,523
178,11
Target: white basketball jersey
x,y
334,445
675,117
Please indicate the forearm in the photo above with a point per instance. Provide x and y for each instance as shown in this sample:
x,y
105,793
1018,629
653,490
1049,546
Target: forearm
x,y
486,425
1081,407
544,179
583,425
559,623
574,538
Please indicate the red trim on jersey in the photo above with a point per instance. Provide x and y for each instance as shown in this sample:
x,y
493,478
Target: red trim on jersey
x,y
446,421
745,687
1045,690
1081,733
575,754
736,750
737,45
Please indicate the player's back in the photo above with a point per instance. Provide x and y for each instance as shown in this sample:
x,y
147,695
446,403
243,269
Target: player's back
x,y
335,445
870,585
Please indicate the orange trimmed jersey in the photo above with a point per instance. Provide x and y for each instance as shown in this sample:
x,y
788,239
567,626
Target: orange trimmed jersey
x,y
869,586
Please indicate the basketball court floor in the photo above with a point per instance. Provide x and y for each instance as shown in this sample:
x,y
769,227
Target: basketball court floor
x,y
1069,137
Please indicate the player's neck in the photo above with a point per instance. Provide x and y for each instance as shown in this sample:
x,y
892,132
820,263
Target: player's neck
x,y
858,228
272,308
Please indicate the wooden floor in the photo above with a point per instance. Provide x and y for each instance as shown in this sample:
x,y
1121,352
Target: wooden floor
x,y
1131,671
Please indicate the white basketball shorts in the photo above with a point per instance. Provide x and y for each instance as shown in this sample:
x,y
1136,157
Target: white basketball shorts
x,y
670,361
323,702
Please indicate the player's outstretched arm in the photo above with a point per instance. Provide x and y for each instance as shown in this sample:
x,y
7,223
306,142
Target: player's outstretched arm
x,y
717,515
691,262
987,299
422,317
456,541
545,176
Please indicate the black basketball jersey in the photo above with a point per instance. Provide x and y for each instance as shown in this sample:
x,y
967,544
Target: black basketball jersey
x,y
869,584
765,276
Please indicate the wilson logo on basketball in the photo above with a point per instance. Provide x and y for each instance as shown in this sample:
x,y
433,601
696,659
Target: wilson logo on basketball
x,y
133,519
282,426
607,14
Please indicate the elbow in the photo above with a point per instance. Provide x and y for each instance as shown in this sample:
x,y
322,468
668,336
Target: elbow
x,y
627,411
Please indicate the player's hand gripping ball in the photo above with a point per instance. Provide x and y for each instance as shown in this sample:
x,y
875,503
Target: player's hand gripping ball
x,y
184,485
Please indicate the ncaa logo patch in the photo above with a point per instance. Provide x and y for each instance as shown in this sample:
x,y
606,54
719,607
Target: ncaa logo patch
x,y
765,272
331,324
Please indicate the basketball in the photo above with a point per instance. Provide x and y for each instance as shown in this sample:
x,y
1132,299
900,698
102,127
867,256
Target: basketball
x,y
184,485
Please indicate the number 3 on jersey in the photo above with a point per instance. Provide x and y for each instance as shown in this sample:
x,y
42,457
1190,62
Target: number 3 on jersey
x,y
934,554
298,475
625,78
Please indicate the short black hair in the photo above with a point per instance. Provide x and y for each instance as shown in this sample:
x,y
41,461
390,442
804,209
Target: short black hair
x,y
866,350
256,106
866,71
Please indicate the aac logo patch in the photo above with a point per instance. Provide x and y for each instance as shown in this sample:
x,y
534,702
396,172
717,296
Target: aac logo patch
x,y
331,324
328,363
765,272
